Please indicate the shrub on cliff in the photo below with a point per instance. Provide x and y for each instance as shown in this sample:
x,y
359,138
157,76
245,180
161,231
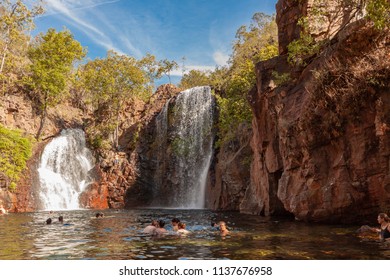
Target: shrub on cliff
x,y
15,150
324,20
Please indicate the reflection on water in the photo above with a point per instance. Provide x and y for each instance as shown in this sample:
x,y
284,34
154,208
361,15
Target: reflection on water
x,y
119,236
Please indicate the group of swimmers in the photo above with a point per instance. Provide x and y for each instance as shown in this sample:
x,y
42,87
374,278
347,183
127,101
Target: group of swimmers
x,y
50,220
157,227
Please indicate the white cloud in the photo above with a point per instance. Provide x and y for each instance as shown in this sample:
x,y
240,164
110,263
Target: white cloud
x,y
204,68
220,58
96,30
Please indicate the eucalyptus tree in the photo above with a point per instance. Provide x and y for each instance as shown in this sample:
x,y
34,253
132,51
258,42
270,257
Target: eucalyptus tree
x,y
16,21
167,66
52,58
111,83
195,78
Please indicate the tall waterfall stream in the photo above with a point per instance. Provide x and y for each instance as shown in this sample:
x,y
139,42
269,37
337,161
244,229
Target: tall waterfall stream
x,y
63,171
190,136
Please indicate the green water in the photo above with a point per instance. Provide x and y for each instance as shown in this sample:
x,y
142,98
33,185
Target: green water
x,y
119,236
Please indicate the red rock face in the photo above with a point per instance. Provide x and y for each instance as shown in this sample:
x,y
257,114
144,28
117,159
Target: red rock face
x,y
321,146
229,176
95,197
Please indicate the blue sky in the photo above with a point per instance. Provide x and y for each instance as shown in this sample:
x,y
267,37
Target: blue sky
x,y
202,31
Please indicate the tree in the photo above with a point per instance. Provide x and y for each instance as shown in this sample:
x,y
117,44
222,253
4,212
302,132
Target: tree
x,y
151,67
52,57
167,66
110,83
16,20
194,78
255,43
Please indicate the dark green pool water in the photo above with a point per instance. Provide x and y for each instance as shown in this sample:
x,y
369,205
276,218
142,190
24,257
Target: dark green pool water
x,y
119,236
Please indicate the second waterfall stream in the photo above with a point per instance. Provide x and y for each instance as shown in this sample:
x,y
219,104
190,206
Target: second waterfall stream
x,y
64,171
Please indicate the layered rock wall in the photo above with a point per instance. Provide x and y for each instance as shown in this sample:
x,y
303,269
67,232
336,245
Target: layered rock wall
x,y
321,141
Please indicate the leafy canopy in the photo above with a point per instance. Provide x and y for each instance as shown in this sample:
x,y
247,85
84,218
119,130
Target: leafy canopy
x,y
52,56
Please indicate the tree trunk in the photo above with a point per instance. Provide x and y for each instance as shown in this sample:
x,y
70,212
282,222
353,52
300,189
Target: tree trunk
x,y
3,58
43,118
41,124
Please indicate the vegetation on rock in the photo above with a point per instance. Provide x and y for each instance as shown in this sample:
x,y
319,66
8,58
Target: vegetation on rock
x,y
323,22
15,150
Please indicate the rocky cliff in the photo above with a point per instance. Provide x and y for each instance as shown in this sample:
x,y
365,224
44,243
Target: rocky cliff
x,y
125,174
321,140
18,112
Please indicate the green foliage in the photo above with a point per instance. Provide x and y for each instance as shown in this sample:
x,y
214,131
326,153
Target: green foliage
x,y
232,84
167,66
110,83
52,57
16,21
181,147
232,112
194,78
15,150
379,12
304,47
280,78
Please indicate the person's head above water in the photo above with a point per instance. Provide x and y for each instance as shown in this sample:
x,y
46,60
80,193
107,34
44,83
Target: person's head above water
x,y
182,225
61,219
48,221
161,224
382,217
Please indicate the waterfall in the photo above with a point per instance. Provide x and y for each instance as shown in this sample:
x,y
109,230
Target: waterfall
x,y
185,128
63,171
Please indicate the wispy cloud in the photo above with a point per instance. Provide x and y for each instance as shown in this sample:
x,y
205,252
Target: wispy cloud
x,y
220,58
87,23
180,71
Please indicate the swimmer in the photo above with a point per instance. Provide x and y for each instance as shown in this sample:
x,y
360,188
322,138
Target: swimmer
x,y
150,229
223,229
48,221
384,230
160,229
182,229
175,222
99,215
214,226
61,219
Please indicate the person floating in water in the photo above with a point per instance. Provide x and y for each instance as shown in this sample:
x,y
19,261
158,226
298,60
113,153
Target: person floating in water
x,y
160,228
48,221
150,229
384,230
61,219
175,222
223,229
214,226
99,215
182,229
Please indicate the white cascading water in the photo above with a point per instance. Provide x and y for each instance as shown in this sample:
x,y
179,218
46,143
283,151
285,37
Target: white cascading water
x,y
191,140
63,171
